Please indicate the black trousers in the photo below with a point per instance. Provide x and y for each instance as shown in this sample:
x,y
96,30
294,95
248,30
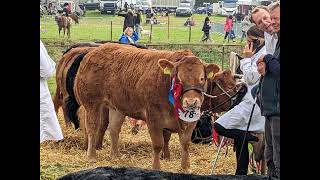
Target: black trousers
x,y
238,136
226,35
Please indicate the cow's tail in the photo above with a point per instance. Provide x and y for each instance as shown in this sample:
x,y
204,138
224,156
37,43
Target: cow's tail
x,y
57,99
72,105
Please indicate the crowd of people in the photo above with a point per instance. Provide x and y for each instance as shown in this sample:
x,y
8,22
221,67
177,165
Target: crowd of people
x,y
261,71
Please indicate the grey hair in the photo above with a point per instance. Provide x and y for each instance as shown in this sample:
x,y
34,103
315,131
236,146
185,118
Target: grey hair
x,y
274,5
126,30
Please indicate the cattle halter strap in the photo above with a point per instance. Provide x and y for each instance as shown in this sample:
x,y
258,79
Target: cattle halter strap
x,y
209,111
224,92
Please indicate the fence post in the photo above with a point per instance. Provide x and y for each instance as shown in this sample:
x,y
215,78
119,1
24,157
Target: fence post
x,y
150,33
168,26
222,57
189,33
111,30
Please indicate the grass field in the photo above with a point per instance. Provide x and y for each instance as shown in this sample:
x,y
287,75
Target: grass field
x,y
57,159
97,27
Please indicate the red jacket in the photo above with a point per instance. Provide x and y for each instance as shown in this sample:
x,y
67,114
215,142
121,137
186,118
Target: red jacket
x,y
69,8
228,25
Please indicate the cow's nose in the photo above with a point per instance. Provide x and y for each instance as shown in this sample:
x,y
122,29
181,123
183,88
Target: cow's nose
x,y
191,101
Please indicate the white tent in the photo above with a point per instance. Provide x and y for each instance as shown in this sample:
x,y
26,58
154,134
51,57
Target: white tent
x,y
247,2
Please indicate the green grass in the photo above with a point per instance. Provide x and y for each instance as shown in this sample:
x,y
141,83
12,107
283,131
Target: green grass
x,y
98,27
52,85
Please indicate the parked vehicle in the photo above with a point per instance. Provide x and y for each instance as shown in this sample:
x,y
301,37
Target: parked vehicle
x,y
184,11
92,5
201,10
109,7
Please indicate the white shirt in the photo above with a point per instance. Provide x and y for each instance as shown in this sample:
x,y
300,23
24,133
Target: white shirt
x,y
238,117
49,125
270,42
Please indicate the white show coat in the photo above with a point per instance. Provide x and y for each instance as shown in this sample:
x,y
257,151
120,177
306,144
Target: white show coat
x,y
238,117
49,125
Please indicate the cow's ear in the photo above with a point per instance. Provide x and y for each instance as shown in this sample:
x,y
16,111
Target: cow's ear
x,y
166,66
211,70
227,72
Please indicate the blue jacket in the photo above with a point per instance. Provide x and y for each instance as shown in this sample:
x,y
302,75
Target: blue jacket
x,y
124,38
269,95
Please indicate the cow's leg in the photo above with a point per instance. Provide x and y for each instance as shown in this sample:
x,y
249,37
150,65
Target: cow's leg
x,y
92,125
82,117
115,122
64,31
60,28
185,139
156,134
103,127
165,150
68,32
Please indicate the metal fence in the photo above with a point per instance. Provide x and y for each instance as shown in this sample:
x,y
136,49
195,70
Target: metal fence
x,y
219,28
110,28
210,53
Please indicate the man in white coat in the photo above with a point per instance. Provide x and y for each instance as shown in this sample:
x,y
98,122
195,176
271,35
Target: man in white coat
x,y
49,125
233,124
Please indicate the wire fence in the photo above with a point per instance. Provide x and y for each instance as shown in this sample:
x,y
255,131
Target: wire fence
x,y
167,30
210,53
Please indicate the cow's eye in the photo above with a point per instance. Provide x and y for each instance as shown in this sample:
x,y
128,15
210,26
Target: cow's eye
x,y
202,79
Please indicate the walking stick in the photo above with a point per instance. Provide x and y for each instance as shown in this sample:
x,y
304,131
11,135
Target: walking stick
x,y
245,135
219,149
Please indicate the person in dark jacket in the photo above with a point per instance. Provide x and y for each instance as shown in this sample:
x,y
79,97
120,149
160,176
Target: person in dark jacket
x,y
128,19
206,30
137,21
126,6
269,95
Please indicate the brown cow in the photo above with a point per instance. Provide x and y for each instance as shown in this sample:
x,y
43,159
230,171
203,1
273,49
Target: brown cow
x,y
61,96
66,22
134,82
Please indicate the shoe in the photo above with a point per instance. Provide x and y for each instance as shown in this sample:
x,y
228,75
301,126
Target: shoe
x,y
252,138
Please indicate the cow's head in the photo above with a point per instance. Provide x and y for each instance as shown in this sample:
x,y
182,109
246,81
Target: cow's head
x,y
192,74
222,81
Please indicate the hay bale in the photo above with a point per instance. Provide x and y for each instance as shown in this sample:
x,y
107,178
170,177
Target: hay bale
x,y
104,173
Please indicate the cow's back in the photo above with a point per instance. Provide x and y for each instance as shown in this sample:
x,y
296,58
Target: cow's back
x,y
65,63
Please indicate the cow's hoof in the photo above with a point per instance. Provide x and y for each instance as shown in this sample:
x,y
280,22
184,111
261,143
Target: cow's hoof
x,y
84,147
99,146
92,159
165,157
114,155
188,170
